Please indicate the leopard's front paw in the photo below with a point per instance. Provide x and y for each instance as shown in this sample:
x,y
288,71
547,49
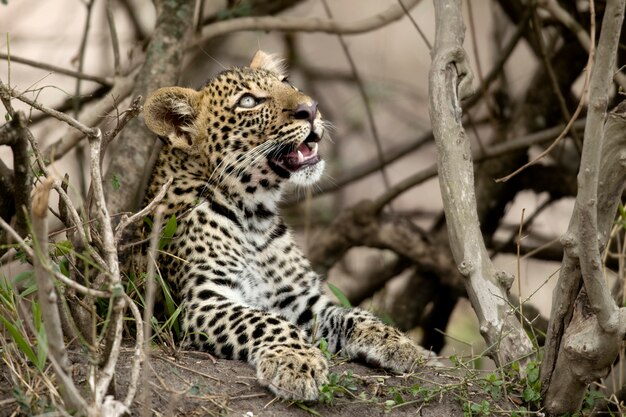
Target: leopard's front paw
x,y
293,373
380,345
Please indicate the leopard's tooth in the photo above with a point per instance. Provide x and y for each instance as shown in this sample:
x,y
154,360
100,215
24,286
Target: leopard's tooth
x,y
300,157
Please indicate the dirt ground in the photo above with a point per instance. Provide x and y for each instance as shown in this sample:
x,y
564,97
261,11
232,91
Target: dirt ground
x,y
192,384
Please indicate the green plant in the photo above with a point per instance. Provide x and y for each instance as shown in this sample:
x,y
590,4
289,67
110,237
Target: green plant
x,y
477,409
343,300
337,385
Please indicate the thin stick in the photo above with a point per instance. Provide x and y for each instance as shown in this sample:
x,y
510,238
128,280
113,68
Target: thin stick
x,y
560,14
568,126
149,305
490,153
519,264
366,100
54,113
47,297
419,30
140,357
126,221
57,70
90,116
115,43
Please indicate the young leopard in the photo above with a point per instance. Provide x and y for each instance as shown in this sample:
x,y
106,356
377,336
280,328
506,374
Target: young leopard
x,y
248,292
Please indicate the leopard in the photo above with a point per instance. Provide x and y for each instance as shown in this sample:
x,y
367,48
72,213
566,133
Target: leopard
x,y
231,149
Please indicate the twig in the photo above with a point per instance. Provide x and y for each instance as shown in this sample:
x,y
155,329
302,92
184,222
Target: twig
x,y
56,114
122,88
58,70
113,272
560,14
47,297
519,267
83,233
126,220
477,156
567,128
551,75
306,24
76,102
149,301
415,25
115,43
133,111
366,101
140,354
8,229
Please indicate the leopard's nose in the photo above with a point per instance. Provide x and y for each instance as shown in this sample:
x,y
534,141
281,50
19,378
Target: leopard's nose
x,y
306,111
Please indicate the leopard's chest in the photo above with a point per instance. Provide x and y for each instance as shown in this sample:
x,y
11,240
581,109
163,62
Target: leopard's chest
x,y
261,259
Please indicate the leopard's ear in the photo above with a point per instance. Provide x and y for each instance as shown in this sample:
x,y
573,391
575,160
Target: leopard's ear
x,y
270,62
170,112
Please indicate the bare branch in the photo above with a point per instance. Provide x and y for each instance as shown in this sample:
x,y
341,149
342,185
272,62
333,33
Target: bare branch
x,y
307,24
477,156
560,14
11,232
140,355
115,43
122,88
126,221
149,301
366,101
450,81
586,201
47,297
586,328
58,70
56,114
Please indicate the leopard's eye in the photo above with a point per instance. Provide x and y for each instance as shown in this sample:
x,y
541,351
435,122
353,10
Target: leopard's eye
x,y
248,101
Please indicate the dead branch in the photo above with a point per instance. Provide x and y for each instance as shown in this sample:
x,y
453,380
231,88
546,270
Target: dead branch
x,y
560,14
47,297
450,82
589,343
115,43
364,97
88,131
149,303
362,225
91,117
57,70
306,24
126,220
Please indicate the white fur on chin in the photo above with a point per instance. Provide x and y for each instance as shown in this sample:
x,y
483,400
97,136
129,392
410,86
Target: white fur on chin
x,y
308,175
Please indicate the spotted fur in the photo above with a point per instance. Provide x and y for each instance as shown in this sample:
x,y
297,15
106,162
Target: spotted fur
x,y
247,290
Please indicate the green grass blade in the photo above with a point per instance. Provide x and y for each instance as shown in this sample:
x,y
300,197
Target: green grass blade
x,y
343,300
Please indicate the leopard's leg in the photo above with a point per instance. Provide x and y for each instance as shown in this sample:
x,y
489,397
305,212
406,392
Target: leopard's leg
x,y
353,332
285,362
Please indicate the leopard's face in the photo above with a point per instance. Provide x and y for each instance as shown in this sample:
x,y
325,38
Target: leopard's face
x,y
247,123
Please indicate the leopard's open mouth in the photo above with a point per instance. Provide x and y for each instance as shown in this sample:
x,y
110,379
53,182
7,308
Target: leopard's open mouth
x,y
302,156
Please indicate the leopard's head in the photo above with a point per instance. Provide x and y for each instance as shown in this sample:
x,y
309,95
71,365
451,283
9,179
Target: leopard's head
x,y
248,124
